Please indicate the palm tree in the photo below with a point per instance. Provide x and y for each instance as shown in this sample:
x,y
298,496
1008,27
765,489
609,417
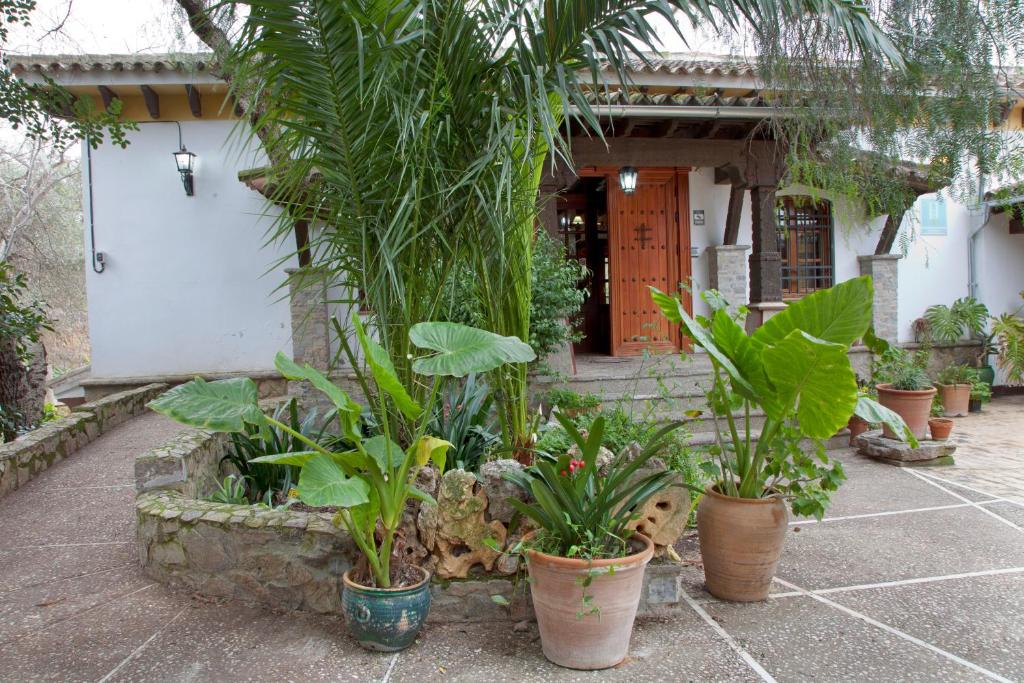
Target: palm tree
x,y
415,131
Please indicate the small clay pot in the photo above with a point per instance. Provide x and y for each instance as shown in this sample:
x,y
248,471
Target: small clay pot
x,y
955,398
596,640
913,406
740,544
940,427
857,426
385,619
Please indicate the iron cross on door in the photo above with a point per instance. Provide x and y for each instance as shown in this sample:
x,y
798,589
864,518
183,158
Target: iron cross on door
x,y
641,234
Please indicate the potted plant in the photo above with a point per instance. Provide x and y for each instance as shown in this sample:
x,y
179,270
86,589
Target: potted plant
x,y
954,385
384,599
856,424
904,387
967,316
1008,344
795,368
573,404
940,427
586,567
981,393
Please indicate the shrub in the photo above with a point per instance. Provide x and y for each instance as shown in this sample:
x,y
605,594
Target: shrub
x,y
903,370
957,374
555,297
948,324
569,399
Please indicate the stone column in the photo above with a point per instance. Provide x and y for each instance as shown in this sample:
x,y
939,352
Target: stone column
x,y
884,272
765,260
727,272
311,338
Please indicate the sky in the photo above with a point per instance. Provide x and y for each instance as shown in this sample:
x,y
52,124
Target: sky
x,y
140,26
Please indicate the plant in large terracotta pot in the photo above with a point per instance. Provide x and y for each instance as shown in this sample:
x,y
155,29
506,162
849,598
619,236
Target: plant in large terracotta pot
x,y
385,600
954,385
903,386
795,368
586,567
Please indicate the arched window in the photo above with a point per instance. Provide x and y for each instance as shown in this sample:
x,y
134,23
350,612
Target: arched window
x,y
805,243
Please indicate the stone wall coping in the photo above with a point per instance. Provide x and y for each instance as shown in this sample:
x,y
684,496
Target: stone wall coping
x,y
865,258
727,247
179,378
31,453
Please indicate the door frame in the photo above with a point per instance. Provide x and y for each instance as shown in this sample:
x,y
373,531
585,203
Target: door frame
x,y
679,262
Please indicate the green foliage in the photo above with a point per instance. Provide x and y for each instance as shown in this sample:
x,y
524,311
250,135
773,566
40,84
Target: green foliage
x,y
417,133
231,491
555,294
981,391
796,369
902,369
948,324
372,478
1008,332
957,374
580,512
20,320
567,398
264,480
464,418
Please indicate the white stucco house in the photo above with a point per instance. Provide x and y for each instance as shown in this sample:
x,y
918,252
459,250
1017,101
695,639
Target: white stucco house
x,y
182,284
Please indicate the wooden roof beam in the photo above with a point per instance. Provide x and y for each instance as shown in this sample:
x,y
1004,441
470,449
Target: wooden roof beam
x,y
152,101
195,102
107,95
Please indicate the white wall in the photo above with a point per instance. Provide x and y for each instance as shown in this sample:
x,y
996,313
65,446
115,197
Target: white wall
x,y
999,262
935,268
186,287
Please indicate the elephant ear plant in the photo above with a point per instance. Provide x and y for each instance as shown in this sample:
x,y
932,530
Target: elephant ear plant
x,y
371,480
795,368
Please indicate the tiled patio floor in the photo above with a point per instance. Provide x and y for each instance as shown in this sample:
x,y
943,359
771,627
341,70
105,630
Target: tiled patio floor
x,y
914,575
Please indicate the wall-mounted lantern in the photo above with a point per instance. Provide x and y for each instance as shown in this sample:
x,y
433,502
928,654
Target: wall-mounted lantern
x,y
185,161
627,179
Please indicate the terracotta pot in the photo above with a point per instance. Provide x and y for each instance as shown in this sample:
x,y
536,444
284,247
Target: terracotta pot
x,y
740,543
593,641
857,426
913,406
955,398
940,428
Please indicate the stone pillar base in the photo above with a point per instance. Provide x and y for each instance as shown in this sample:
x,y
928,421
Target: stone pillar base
x,y
727,272
760,312
884,272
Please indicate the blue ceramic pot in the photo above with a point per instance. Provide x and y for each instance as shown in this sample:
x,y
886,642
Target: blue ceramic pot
x,y
385,619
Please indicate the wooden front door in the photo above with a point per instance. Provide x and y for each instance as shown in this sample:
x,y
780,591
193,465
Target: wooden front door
x,y
648,245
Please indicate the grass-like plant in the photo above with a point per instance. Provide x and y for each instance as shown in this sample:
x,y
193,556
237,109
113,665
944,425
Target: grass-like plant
x,y
370,479
903,370
957,373
582,512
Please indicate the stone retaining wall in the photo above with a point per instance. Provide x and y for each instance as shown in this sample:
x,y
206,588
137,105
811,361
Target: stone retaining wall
x,y
294,560
26,456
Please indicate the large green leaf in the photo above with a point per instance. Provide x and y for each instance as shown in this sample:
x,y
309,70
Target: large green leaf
x,y
840,314
298,459
815,376
348,410
383,371
430,448
462,349
672,308
733,341
226,405
873,412
323,482
378,449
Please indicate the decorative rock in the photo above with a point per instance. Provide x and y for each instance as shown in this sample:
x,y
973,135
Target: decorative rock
x,y
928,453
664,516
455,529
499,489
